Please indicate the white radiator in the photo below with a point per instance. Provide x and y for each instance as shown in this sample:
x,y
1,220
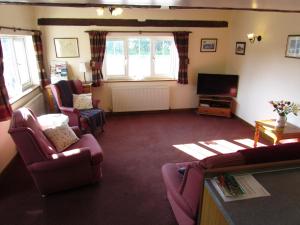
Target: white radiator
x,y
140,98
37,105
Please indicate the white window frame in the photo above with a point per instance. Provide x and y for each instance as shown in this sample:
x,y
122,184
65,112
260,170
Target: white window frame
x,y
153,37
31,64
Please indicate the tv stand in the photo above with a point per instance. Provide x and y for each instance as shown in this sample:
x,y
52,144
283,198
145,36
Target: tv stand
x,y
215,105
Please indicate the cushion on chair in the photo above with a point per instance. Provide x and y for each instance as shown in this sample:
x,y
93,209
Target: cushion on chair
x,y
62,137
82,101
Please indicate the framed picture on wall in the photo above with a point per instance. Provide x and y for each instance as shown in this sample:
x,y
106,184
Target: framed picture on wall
x,y
208,45
66,47
240,48
293,46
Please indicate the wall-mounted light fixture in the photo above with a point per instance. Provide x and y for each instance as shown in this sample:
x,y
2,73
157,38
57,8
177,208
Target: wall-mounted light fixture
x,y
115,11
252,37
100,11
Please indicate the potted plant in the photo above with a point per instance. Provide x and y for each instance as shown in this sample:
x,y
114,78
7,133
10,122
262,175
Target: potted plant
x,y
283,108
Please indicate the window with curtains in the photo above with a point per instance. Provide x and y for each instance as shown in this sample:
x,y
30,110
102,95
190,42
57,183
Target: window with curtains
x,y
140,57
20,65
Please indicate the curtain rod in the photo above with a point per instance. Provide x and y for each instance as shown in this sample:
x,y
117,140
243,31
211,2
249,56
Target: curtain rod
x,y
137,31
19,29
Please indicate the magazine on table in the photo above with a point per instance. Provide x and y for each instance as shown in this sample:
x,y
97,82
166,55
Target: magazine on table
x,y
238,187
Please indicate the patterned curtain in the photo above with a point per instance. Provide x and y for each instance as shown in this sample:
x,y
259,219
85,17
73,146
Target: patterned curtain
x,y
182,43
5,108
38,47
97,41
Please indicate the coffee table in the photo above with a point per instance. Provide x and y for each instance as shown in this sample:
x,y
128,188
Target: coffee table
x,y
267,127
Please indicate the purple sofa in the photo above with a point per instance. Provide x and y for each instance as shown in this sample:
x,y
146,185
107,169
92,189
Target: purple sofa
x,y
184,191
78,165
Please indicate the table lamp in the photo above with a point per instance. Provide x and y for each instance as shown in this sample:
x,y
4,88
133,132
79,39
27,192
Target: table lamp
x,y
82,69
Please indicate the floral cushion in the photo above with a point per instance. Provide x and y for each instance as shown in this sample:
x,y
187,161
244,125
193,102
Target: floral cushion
x,y
61,137
82,101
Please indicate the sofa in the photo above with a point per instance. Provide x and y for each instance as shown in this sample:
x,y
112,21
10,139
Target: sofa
x,y
184,182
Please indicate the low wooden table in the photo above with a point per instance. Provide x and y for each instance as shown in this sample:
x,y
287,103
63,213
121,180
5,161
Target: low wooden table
x,y
267,127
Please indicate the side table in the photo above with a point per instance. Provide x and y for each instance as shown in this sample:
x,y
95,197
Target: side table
x,y
267,127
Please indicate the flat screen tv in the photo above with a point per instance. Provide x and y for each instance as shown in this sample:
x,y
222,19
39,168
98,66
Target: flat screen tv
x,y
217,84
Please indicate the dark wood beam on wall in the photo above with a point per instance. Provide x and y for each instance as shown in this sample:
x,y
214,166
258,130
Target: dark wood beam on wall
x,y
78,5
130,22
239,9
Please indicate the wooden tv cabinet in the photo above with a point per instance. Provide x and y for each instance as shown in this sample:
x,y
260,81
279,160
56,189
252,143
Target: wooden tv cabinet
x,y
215,105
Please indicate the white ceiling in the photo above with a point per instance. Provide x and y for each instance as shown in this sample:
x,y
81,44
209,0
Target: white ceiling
x,y
282,5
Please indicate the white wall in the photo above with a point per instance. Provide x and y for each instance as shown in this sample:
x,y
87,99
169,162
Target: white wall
x,y
13,16
265,73
182,96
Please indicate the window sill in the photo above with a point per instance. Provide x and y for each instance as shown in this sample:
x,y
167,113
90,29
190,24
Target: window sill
x,y
28,91
148,80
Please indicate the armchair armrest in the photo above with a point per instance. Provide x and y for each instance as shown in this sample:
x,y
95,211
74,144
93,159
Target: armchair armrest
x,y
68,109
63,160
66,170
96,103
77,131
73,114
191,188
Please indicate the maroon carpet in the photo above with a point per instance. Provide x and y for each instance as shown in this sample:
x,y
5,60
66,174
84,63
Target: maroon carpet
x,y
132,190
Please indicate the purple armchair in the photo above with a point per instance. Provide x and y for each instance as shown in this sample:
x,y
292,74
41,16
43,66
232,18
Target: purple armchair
x,y
75,116
78,165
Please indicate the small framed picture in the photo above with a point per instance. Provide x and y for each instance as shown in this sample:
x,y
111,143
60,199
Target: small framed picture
x,y
293,46
240,48
208,45
66,47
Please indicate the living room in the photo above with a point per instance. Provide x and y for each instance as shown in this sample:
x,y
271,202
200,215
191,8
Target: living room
x,y
265,73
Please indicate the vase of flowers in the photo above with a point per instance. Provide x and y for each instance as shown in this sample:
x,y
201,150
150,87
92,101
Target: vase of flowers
x,y
283,108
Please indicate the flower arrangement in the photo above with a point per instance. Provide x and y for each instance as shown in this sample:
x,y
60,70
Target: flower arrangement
x,y
283,108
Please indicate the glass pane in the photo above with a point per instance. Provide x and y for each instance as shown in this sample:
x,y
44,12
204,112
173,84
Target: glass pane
x,y
21,60
133,46
115,58
163,59
139,59
109,48
159,46
11,77
167,47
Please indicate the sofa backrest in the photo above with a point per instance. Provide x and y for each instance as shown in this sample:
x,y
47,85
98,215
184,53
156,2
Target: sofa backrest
x,y
275,153
76,86
27,134
223,160
65,93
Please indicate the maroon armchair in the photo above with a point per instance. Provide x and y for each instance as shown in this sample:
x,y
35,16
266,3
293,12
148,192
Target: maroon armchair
x,y
78,165
75,116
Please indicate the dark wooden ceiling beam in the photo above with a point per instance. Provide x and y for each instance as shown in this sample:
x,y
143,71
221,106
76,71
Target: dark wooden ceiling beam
x,y
79,5
130,22
239,9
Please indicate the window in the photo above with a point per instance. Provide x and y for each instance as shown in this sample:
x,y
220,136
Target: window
x,y
19,64
140,58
